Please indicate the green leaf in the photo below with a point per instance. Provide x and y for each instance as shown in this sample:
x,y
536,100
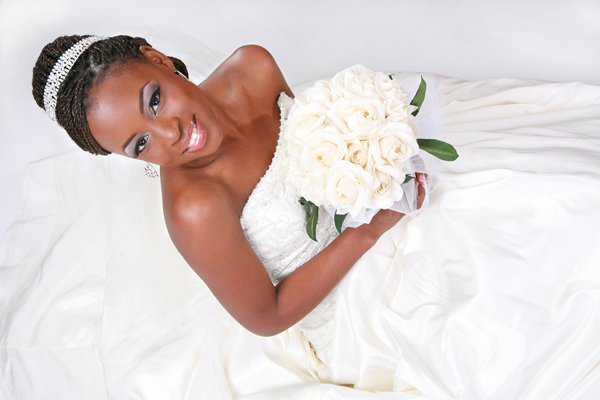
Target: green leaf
x,y
339,220
441,150
305,202
311,224
408,178
419,97
392,78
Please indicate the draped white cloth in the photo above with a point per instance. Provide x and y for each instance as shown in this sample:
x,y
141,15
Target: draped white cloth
x,y
492,292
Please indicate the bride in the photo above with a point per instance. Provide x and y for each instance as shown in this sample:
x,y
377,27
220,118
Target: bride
x,y
213,142
430,303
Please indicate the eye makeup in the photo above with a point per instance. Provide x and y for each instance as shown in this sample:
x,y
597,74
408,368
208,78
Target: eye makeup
x,y
150,91
135,146
155,101
140,144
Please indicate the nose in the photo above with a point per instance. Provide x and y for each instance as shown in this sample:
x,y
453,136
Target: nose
x,y
169,130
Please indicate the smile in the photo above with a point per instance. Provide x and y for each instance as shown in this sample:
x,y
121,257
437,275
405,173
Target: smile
x,y
196,137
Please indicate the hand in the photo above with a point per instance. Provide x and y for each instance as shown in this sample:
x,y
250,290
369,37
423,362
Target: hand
x,y
385,220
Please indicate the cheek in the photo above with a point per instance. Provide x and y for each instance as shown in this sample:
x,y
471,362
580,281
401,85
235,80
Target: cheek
x,y
159,156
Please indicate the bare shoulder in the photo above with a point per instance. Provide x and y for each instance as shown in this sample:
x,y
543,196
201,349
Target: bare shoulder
x,y
255,61
253,52
195,214
260,71
191,201
196,203
250,72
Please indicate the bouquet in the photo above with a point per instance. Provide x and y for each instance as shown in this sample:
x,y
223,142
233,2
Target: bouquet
x,y
351,142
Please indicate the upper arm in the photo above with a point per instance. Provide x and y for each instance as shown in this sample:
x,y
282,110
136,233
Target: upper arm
x,y
207,232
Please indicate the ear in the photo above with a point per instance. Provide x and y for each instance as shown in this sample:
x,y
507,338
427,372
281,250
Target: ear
x,y
156,57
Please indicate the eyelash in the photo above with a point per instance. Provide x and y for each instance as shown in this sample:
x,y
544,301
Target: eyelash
x,y
155,101
140,145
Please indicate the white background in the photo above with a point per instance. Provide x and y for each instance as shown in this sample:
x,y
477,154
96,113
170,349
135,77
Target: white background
x,y
555,40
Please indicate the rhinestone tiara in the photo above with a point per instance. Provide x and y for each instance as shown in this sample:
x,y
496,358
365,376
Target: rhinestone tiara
x,y
61,69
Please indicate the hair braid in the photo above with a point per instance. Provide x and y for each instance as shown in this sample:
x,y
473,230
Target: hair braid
x,y
92,66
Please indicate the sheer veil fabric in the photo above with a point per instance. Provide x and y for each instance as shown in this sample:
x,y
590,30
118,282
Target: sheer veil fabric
x,y
492,292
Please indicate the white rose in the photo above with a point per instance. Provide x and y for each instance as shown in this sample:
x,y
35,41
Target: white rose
x,y
349,189
358,152
322,150
352,116
356,80
320,92
397,111
385,87
400,94
386,189
313,188
392,145
308,118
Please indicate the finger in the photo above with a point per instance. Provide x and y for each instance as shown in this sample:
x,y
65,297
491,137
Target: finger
x,y
420,195
422,177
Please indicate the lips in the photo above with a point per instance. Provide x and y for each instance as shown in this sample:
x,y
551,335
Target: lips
x,y
195,138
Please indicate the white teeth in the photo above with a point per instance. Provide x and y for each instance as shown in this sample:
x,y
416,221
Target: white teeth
x,y
194,138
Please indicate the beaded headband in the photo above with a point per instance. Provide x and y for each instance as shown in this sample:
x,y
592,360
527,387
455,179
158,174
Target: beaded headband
x,y
61,69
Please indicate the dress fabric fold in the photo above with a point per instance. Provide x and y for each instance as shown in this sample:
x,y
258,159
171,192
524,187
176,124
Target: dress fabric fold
x,y
491,292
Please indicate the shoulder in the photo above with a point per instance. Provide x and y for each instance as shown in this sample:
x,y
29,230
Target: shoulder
x,y
251,72
254,57
258,69
197,208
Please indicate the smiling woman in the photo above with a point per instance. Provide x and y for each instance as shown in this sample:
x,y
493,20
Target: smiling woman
x,y
469,299
201,137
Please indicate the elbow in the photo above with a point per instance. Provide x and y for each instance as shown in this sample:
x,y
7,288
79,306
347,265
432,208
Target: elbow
x,y
267,331
266,326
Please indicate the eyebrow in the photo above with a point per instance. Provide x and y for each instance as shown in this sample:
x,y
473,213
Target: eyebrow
x,y
142,98
141,112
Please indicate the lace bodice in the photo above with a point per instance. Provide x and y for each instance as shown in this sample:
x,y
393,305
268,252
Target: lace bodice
x,y
274,223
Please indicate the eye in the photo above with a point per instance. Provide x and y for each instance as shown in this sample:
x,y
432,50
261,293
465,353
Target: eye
x,y
140,145
155,101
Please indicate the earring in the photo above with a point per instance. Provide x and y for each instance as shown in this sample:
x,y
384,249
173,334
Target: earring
x,y
181,75
150,171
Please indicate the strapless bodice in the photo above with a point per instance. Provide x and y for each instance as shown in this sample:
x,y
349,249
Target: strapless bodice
x,y
274,223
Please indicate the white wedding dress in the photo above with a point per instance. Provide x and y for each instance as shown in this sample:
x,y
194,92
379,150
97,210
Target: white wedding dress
x,y
492,292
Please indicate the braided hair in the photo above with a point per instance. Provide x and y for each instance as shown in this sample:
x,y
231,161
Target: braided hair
x,y
92,66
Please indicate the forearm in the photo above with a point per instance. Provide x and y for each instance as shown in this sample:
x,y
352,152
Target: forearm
x,y
301,291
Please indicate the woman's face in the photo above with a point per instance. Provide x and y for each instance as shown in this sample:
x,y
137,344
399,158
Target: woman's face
x,y
147,111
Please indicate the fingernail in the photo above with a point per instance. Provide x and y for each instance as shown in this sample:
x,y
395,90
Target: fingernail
x,y
421,179
427,178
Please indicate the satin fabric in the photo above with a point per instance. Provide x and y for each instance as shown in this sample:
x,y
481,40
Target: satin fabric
x,y
492,292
